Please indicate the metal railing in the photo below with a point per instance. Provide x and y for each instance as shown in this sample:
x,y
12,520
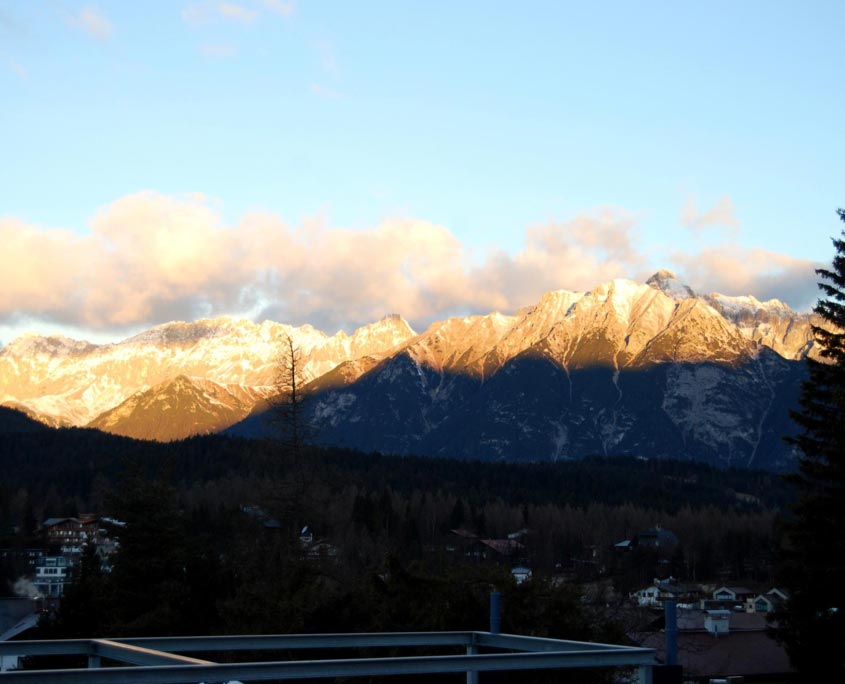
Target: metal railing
x,y
158,660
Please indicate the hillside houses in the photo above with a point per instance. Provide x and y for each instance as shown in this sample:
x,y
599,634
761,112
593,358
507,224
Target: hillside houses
x,y
695,596
670,589
468,545
44,571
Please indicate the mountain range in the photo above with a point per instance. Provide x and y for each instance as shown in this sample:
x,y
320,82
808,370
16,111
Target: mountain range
x,y
649,369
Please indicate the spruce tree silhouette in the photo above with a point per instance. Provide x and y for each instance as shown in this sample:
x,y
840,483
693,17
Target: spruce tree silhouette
x,y
812,623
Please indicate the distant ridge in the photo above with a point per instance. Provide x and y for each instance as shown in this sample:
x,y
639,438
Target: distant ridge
x,y
552,381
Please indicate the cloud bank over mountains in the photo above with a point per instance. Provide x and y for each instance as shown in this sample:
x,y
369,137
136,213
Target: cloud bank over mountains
x,y
148,258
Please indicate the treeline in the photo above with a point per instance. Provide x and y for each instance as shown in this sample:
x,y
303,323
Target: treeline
x,y
59,470
575,509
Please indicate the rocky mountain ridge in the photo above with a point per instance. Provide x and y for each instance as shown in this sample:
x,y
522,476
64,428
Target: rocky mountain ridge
x,y
72,383
411,393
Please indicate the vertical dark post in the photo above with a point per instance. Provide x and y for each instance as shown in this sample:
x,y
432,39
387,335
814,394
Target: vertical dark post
x,y
495,612
472,675
671,632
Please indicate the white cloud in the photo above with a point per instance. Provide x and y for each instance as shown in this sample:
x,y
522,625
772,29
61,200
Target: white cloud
x,y
90,20
203,12
196,14
734,269
149,258
720,214
235,12
280,7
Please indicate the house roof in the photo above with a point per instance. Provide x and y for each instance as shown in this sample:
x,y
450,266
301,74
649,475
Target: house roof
x,y
503,546
774,600
777,591
85,520
738,653
25,623
678,588
49,522
466,534
735,590
661,536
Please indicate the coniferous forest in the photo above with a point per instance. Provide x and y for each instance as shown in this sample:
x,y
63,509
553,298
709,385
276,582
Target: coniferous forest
x,y
214,537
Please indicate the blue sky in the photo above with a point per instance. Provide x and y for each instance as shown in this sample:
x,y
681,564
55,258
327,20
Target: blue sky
x,y
458,140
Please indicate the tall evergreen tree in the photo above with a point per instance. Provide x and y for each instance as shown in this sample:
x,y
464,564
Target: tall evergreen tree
x,y
812,624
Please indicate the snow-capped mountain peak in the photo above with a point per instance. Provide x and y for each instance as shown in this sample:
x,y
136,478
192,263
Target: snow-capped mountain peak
x,y
667,282
619,324
748,305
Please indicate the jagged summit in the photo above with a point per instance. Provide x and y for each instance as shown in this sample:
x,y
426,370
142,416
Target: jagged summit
x,y
748,304
667,282
54,345
227,366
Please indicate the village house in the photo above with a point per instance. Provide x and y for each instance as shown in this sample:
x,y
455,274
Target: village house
x,y
71,534
509,552
52,575
727,598
664,541
656,594
766,603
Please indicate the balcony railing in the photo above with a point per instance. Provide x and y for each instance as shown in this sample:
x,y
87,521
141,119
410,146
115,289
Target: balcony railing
x,y
157,660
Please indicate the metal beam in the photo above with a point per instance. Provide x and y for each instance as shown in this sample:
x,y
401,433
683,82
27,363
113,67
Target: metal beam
x,y
51,647
472,675
527,643
137,655
281,642
517,642
182,674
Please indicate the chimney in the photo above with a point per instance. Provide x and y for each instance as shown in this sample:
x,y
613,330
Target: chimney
x,y
718,622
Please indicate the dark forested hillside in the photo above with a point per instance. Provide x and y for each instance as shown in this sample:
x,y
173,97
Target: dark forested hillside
x,y
70,463
215,531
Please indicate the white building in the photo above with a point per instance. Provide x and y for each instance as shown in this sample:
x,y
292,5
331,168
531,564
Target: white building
x,y
51,576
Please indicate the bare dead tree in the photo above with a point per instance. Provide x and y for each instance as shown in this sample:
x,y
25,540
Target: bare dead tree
x,y
292,494
288,403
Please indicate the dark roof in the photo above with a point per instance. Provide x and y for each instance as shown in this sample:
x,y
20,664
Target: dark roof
x,y
739,591
503,546
660,536
466,534
778,591
672,586
49,522
738,653
85,520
